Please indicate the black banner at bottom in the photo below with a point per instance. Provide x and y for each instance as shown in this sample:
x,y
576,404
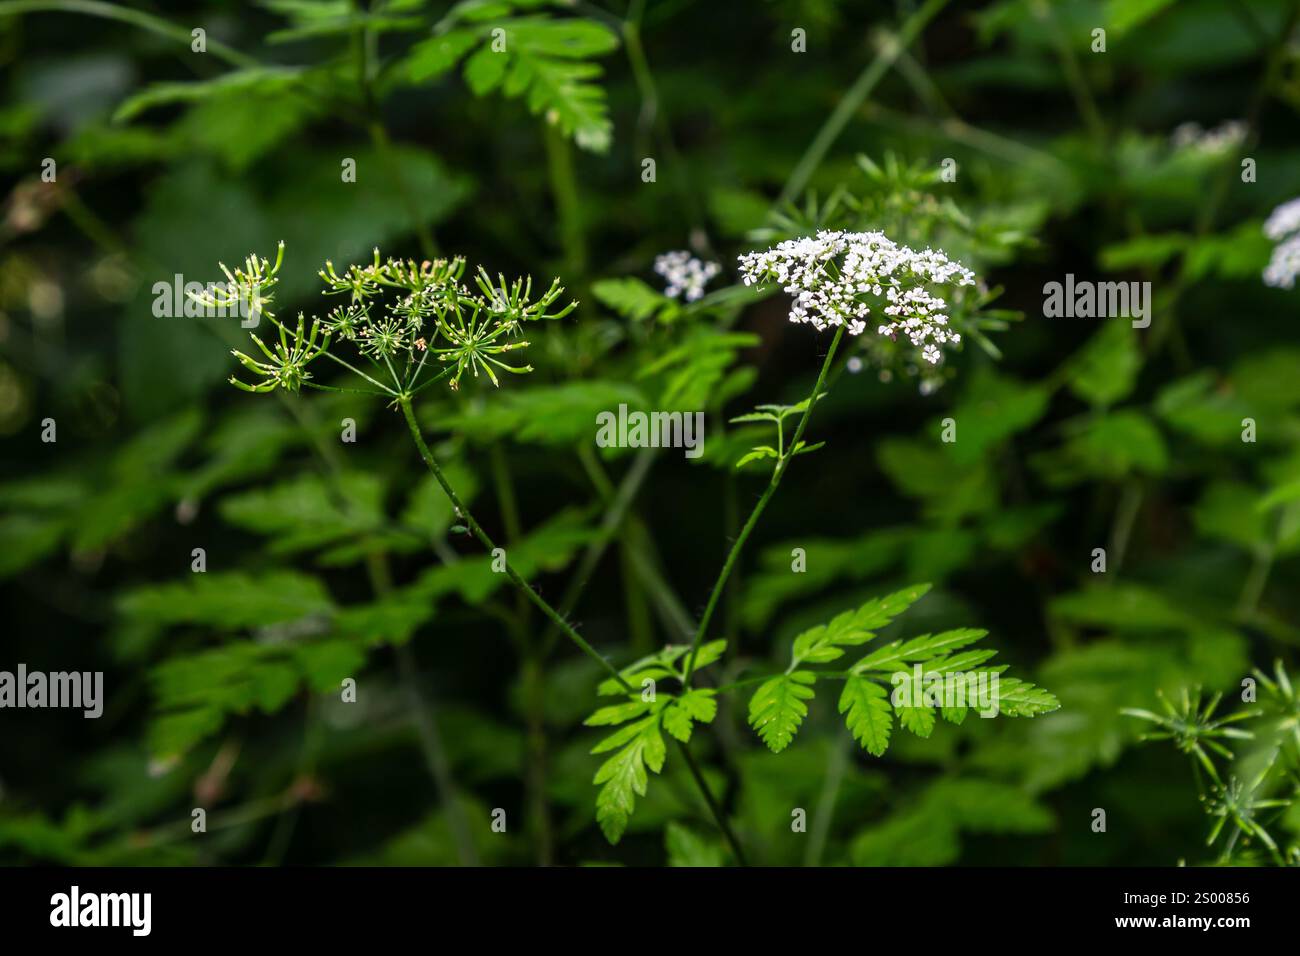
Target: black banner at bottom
x,y
332,906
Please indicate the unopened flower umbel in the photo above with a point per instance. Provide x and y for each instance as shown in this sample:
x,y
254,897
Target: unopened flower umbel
x,y
685,274
837,277
429,312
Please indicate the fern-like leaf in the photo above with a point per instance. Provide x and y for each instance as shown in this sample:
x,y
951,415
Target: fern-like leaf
x,y
645,715
868,716
544,60
777,708
633,299
931,675
682,713
640,746
825,643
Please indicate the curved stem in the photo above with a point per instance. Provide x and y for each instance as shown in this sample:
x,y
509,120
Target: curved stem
x,y
754,515
478,532
854,97
136,18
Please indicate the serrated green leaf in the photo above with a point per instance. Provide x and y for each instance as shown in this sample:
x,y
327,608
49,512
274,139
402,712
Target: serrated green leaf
x,y
230,600
825,643
624,775
261,79
633,299
1106,368
867,714
432,58
617,713
917,717
777,708
918,649
683,712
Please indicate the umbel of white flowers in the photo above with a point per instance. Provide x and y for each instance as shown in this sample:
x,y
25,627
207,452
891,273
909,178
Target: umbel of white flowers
x,y
1283,227
835,276
684,273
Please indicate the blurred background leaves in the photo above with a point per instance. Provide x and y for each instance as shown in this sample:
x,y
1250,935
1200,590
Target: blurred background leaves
x,y
328,560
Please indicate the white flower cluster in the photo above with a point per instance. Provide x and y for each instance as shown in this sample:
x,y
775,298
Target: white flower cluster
x,y
685,273
831,274
1221,138
1283,227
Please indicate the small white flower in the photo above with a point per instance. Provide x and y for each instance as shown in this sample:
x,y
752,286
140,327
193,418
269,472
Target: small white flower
x,y
685,274
1220,139
1284,266
1283,227
1283,221
828,274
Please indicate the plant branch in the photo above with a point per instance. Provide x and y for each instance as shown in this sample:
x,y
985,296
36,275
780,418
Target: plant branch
x,y
487,542
136,18
754,515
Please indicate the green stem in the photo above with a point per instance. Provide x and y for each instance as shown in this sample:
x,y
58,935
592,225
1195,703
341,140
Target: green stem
x,y
836,763
1122,528
719,817
1083,98
754,515
365,42
652,119
1252,589
564,187
464,514
136,18
854,97
532,676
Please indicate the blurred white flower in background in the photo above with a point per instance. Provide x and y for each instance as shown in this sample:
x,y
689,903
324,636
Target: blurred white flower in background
x,y
685,274
1283,227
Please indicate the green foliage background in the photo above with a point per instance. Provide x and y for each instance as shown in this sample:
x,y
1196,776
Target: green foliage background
x,y
223,686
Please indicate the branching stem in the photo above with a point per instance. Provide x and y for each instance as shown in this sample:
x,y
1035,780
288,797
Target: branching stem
x,y
464,514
